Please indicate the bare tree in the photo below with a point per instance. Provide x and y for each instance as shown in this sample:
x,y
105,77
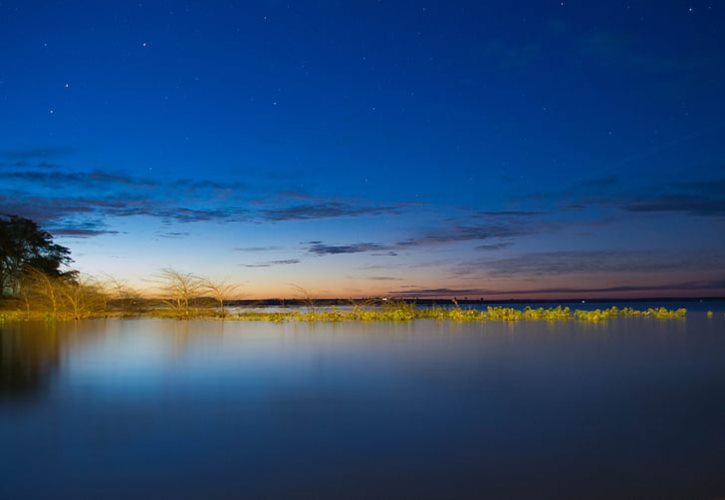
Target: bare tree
x,y
179,289
123,295
41,287
28,290
305,296
220,291
82,297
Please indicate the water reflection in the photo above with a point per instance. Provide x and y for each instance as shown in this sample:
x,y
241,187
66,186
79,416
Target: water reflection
x,y
28,356
210,409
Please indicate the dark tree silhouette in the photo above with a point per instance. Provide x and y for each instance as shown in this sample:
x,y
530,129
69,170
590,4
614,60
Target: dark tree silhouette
x,y
24,246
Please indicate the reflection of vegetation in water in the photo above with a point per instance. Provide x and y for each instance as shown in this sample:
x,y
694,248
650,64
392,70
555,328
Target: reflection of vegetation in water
x,y
28,354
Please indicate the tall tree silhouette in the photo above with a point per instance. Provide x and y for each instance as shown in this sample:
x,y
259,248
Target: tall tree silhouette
x,y
25,246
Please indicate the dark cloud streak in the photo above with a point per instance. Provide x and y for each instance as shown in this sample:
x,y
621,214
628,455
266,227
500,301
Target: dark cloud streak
x,y
325,210
318,248
687,286
594,262
282,262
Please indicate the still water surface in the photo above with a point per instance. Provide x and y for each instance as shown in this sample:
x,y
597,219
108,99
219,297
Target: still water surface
x,y
210,409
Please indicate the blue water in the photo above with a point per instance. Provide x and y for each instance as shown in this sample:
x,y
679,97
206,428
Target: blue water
x,y
209,409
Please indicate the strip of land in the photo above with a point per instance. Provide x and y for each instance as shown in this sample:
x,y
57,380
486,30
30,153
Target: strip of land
x,y
389,311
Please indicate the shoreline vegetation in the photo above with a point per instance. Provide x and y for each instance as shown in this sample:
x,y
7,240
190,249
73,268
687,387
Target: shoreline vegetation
x,y
385,310
42,296
185,296
38,295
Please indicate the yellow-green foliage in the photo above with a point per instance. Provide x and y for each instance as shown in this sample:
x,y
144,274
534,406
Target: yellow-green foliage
x,y
391,311
628,312
402,311
11,316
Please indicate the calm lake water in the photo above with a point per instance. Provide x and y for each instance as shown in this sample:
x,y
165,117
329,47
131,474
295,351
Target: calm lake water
x,y
209,409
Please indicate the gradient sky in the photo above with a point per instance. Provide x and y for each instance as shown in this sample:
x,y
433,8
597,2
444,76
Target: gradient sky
x,y
485,149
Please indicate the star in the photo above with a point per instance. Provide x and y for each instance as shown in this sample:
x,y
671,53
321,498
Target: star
x,y
144,44
67,85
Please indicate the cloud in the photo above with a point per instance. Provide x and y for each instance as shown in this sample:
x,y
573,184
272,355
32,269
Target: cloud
x,y
182,214
54,208
174,234
206,188
473,232
36,153
325,210
319,248
283,262
295,195
52,195
255,249
594,262
509,213
705,198
43,210
108,181
92,179
701,198
384,278
80,233
24,164
691,205
41,197
686,286
84,229
494,246
596,191
449,234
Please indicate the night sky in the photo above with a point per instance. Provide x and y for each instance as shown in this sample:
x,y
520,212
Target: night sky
x,y
515,149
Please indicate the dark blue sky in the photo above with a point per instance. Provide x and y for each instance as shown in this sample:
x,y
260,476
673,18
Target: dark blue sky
x,y
428,148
